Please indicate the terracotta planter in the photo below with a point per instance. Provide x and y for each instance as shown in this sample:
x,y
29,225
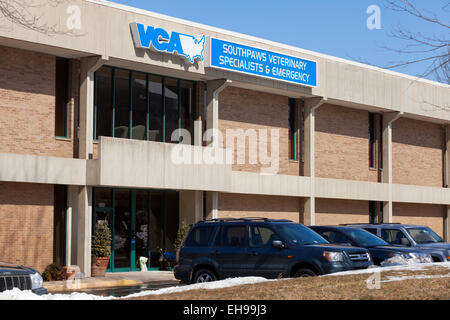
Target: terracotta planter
x,y
99,266
70,272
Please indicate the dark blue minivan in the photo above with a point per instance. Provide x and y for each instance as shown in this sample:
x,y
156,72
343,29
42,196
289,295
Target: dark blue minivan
x,y
223,248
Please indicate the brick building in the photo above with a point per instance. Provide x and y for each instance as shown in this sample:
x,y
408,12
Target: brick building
x,y
87,116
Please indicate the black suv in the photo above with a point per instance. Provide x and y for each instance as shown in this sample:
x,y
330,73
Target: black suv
x,y
23,278
379,249
222,248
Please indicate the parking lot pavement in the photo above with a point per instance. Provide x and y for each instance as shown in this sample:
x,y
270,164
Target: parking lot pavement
x,y
117,279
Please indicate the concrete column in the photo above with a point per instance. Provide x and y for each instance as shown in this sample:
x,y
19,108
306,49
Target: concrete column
x,y
83,221
309,210
447,182
213,88
212,202
72,200
88,67
388,119
191,206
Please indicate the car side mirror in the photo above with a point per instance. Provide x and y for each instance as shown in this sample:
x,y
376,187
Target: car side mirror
x,y
404,242
277,244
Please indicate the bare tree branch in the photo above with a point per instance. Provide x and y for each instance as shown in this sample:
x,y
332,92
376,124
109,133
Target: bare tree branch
x,y
20,12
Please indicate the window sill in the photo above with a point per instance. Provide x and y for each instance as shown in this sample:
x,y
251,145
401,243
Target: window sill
x,y
63,139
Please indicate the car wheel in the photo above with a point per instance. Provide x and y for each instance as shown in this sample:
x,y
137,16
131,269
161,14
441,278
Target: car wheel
x,y
301,273
204,275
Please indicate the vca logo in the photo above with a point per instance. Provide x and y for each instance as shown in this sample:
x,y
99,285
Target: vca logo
x,y
159,39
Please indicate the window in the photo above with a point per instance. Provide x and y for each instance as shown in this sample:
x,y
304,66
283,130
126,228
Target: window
x,y
122,104
233,236
372,212
62,98
292,129
393,236
141,106
335,237
200,237
424,235
371,140
372,231
262,237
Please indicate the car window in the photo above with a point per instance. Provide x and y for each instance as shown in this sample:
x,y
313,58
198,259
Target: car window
x,y
334,237
296,233
371,230
233,236
393,236
199,237
424,235
262,236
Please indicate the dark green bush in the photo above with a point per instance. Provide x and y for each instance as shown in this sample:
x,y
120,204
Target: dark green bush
x,y
101,241
54,272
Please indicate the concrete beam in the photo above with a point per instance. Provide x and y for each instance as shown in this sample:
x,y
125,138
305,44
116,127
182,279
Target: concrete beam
x,y
309,210
42,169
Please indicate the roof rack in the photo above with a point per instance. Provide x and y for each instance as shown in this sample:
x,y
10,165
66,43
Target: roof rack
x,y
352,224
244,219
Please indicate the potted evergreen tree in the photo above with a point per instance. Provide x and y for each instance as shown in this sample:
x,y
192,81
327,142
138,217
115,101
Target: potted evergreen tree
x,y
101,250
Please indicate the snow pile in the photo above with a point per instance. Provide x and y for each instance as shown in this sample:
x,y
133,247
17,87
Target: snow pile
x,y
16,294
409,267
401,260
231,282
391,279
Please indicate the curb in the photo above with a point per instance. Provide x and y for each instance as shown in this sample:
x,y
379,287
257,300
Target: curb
x,y
65,286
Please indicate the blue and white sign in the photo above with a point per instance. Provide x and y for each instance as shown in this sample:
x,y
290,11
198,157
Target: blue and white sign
x,y
158,39
237,57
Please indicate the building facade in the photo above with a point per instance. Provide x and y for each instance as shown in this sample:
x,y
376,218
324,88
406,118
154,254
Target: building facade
x,y
90,112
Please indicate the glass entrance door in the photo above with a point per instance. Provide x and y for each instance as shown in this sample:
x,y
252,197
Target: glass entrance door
x,y
143,223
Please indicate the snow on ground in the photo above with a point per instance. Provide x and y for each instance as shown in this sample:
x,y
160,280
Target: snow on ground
x,y
17,294
408,267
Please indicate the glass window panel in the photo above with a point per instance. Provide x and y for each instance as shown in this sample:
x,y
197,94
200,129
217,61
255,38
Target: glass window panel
x,y
141,225
233,236
156,226
61,97
155,96
199,237
187,108
104,103
139,107
172,220
171,108
102,198
122,229
122,121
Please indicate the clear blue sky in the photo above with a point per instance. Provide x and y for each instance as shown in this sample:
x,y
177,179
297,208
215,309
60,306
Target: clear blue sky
x,y
337,28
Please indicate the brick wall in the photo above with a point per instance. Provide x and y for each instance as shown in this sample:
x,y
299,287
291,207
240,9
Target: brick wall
x,y
342,144
27,105
242,205
26,224
420,214
335,212
246,109
417,149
